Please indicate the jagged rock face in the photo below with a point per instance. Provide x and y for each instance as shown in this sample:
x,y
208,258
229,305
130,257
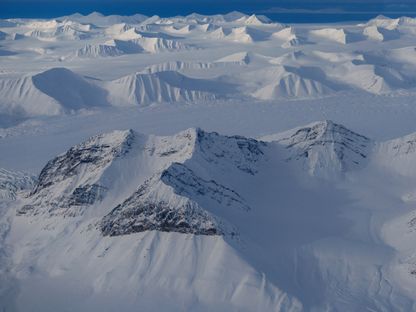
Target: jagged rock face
x,y
86,195
155,207
181,192
237,151
11,183
327,149
226,152
72,179
95,153
186,183
169,201
176,197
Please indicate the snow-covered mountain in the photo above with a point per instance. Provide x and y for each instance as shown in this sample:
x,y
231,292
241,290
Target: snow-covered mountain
x,y
169,199
178,66
162,86
294,82
98,50
159,44
397,155
331,34
325,149
165,216
79,178
51,92
288,37
307,61
12,183
59,90
99,19
71,181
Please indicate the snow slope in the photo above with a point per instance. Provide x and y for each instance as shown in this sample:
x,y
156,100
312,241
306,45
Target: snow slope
x,y
12,183
288,36
50,92
164,86
315,60
325,149
170,192
159,198
168,217
99,50
290,82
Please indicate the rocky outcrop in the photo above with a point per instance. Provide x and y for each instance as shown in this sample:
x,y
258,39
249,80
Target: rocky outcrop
x,y
71,181
13,183
155,207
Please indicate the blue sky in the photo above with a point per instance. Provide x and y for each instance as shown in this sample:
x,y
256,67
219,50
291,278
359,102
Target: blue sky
x,y
298,11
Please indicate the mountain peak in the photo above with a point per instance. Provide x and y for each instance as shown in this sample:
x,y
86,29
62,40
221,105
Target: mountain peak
x,y
256,20
165,182
321,130
155,207
327,149
71,181
98,150
95,14
176,198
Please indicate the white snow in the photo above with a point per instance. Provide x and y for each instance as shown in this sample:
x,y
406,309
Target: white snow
x,y
50,92
253,20
13,183
164,86
332,34
373,32
113,198
99,50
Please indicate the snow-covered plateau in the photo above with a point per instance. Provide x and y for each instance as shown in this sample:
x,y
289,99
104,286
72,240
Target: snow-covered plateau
x,y
207,163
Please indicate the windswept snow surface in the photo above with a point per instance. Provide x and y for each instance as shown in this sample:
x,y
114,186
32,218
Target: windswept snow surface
x,y
207,163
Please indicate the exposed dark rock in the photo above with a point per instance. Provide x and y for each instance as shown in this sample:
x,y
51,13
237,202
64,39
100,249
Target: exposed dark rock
x,y
143,212
66,185
327,144
86,195
186,183
90,153
244,153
